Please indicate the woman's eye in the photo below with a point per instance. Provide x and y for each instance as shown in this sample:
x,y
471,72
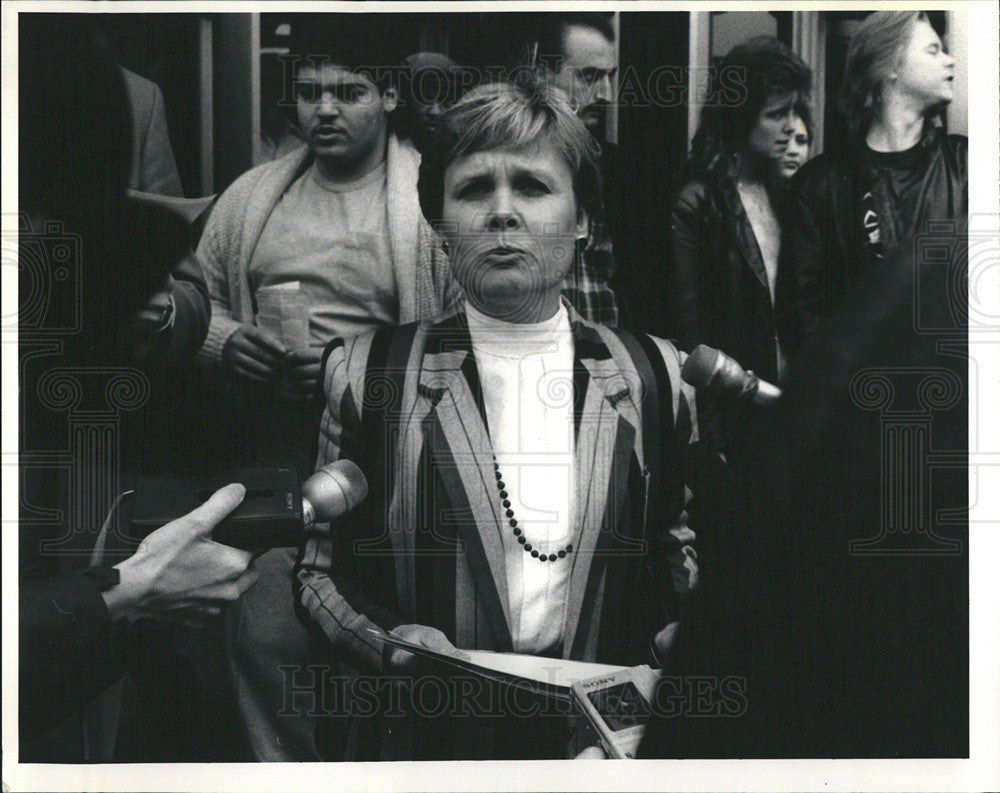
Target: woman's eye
x,y
472,190
533,187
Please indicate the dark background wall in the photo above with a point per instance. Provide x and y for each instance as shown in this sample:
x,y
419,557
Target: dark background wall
x,y
653,148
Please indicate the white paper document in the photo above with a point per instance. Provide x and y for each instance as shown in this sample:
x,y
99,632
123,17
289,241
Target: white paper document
x,y
282,312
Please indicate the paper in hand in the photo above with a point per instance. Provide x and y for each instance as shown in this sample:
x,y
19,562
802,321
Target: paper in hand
x,y
551,676
282,312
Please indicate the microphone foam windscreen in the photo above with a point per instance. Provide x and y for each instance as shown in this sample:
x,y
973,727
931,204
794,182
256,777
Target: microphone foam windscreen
x,y
718,374
334,489
357,484
700,366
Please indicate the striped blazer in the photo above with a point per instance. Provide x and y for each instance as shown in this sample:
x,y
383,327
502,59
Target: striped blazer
x,y
425,547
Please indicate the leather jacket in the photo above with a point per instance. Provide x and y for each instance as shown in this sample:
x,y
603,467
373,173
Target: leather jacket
x,y
824,249
719,283
721,298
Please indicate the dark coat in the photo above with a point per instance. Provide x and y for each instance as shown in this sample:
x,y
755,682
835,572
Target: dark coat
x,y
153,168
824,250
720,294
719,281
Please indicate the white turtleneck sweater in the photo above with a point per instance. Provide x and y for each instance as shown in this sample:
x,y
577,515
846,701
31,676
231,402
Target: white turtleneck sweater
x,y
526,371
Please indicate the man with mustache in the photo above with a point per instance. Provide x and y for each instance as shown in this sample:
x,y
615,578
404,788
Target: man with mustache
x,y
578,52
325,242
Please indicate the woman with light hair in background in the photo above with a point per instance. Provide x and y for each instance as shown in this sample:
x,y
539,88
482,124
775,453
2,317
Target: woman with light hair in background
x,y
852,207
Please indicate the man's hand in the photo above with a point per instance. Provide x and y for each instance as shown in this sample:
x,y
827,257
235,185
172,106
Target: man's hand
x,y
156,315
303,373
254,353
400,661
664,642
179,574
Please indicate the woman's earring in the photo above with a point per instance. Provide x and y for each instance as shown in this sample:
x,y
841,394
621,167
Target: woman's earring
x,y
444,247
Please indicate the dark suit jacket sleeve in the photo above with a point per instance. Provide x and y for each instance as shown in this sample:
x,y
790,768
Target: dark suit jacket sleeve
x,y
160,244
67,647
328,589
154,169
192,309
673,558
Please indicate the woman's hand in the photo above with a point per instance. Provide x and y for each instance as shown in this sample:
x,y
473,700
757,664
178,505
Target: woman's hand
x,y
401,661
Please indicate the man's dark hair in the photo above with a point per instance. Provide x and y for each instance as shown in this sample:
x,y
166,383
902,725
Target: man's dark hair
x,y
552,33
425,77
763,66
365,46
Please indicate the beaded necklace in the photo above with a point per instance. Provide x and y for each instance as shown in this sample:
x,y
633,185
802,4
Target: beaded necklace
x,y
541,557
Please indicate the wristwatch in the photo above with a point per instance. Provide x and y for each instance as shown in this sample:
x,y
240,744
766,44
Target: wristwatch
x,y
166,317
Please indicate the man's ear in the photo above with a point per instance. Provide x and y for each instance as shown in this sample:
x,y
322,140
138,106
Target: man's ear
x,y
582,224
390,98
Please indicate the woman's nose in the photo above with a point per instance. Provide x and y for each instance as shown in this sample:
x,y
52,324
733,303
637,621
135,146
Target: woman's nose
x,y
503,214
503,221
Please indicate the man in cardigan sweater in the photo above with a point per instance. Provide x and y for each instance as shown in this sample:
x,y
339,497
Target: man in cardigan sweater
x,y
325,242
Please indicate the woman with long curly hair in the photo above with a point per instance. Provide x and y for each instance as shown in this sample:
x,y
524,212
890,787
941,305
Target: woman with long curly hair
x,y
724,227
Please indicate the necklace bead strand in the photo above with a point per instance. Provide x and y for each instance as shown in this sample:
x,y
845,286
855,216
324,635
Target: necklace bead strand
x,y
509,512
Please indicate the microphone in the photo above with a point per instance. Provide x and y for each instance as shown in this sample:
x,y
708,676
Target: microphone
x,y
332,491
720,375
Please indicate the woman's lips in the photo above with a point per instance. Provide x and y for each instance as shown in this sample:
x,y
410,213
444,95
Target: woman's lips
x,y
505,254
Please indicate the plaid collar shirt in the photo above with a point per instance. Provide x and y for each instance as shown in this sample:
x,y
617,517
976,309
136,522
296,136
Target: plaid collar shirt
x,y
587,286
